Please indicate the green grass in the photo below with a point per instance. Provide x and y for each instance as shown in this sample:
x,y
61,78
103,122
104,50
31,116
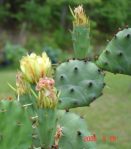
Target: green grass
x,y
6,76
111,114
108,115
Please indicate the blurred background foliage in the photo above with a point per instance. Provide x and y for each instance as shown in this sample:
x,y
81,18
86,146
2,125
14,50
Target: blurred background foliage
x,y
35,24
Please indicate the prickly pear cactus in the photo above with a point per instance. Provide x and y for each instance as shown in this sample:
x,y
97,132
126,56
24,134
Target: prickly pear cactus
x,y
79,83
74,130
15,126
116,57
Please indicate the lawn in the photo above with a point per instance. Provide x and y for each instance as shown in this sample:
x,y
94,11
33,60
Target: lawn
x,y
109,115
6,76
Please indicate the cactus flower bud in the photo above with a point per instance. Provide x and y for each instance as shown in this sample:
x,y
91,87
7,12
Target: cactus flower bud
x,y
79,16
47,83
81,33
58,135
47,95
34,67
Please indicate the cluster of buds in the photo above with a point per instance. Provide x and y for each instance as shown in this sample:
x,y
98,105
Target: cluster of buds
x,y
47,94
79,16
43,83
35,67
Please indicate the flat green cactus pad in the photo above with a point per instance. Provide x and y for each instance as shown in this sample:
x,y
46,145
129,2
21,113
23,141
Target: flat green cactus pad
x,y
46,127
79,83
81,41
116,57
28,100
74,132
15,126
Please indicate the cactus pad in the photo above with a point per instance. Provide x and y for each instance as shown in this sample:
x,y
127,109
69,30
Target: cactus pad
x,y
117,56
15,126
46,127
27,100
81,41
74,130
79,83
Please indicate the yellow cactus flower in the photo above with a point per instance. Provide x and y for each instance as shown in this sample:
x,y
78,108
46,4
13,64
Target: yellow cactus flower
x,y
79,15
34,67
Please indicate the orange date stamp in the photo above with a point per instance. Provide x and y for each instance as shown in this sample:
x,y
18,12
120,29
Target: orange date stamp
x,y
104,138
